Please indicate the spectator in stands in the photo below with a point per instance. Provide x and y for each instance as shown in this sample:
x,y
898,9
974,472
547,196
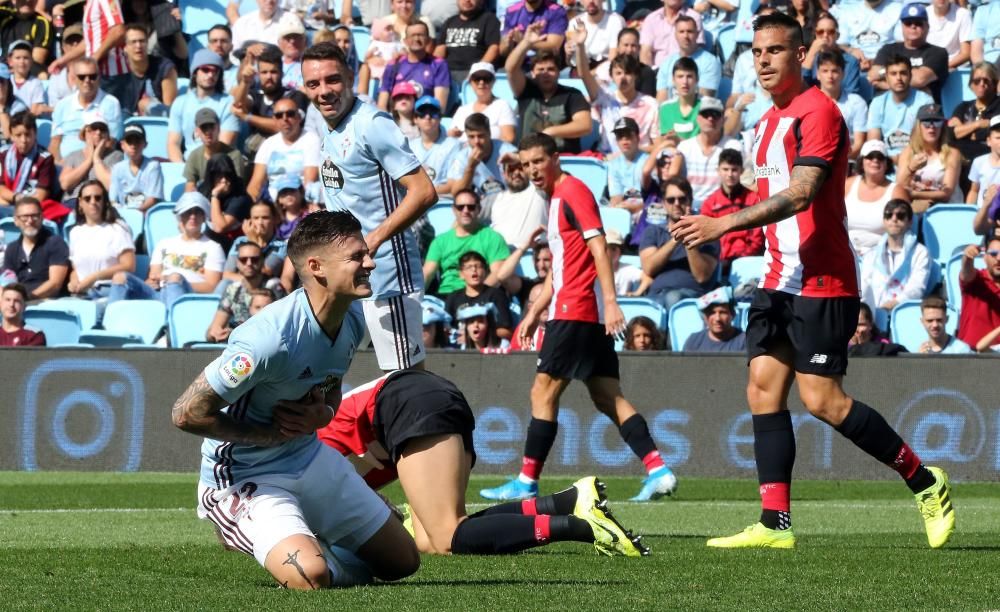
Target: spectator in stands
x,y
9,103
404,14
291,205
343,37
263,25
14,332
259,88
471,37
629,280
951,29
807,13
985,178
700,154
100,244
709,66
473,270
662,165
26,24
827,31
716,13
384,47
626,181
892,115
205,93
547,18
602,29
503,124
657,37
39,258
729,198
436,323
544,105
477,330
67,118
476,165
261,299
898,268
259,228
970,120
934,317
234,305
677,272
93,162
149,86
720,335
929,63
186,263
229,204
28,169
220,41
624,101
980,312
628,44
136,181
830,76
986,34
434,148
427,73
207,131
869,341
641,334
677,115
866,196
401,107
468,234
292,42
517,212
929,166
63,84
867,27
28,89
290,151
103,38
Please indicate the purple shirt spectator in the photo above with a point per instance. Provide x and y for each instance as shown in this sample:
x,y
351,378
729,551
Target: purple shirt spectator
x,y
520,16
425,74
658,32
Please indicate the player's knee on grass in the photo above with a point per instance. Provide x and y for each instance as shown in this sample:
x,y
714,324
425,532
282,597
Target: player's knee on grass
x,y
297,562
391,554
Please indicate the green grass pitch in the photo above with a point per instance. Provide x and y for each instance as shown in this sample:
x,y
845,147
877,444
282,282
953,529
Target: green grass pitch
x,y
114,541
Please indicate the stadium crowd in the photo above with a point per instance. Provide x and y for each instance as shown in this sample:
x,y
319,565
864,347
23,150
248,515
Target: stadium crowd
x,y
154,151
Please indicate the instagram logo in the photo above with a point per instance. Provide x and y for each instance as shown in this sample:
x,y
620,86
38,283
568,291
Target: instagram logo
x,y
82,414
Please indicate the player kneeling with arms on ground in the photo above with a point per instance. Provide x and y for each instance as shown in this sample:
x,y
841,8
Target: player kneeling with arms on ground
x,y
416,426
269,486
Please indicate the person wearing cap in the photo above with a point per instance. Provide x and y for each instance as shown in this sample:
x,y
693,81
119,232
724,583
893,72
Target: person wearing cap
x,y
473,270
61,84
476,165
207,132
867,27
700,154
290,151
136,181
709,66
657,40
626,180
68,115
893,114
830,76
433,147
189,262
929,62
28,169
150,85
26,87
290,203
467,39
629,280
720,335
477,328
292,42
401,107
482,76
93,162
544,105
427,73
25,23
436,325
951,29
263,25
929,167
731,197
985,177
866,194
205,91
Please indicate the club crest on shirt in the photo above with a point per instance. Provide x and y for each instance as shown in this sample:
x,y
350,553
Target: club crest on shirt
x,y
345,146
236,369
331,175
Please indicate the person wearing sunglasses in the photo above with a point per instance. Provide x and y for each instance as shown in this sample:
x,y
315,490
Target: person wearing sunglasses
x,y
970,120
482,76
700,154
929,166
892,115
100,245
980,313
866,194
259,88
290,151
234,305
433,147
67,117
929,62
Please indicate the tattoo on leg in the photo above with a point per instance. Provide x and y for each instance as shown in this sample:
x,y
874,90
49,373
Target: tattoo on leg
x,y
293,560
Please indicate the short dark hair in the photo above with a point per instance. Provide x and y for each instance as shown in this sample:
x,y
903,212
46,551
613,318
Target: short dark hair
x,y
320,229
897,204
417,23
470,256
325,51
780,20
270,55
19,288
538,139
24,119
545,55
477,122
933,302
262,291
681,183
828,15
629,64
831,57
686,18
137,27
896,58
224,27
249,243
624,31
686,64
27,201
731,157
471,192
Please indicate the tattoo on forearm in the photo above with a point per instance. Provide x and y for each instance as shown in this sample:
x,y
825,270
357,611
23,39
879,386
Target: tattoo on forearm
x,y
804,185
199,411
293,560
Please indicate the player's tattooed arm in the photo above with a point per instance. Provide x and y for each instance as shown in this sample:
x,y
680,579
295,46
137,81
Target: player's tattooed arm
x,y
805,182
199,411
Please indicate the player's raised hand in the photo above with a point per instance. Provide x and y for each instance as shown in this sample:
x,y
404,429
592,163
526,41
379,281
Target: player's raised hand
x,y
695,230
304,416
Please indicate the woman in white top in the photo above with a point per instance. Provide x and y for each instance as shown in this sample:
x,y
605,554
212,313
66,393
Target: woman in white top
x,y
100,244
503,125
929,166
866,195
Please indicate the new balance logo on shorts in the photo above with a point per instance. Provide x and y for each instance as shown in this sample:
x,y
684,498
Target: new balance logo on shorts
x,y
818,358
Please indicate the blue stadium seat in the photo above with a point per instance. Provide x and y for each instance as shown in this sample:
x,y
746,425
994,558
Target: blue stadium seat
x,y
60,326
44,130
631,260
362,39
134,218
906,329
129,321
200,15
955,90
684,320
947,226
156,134
160,223
744,269
726,36
616,218
441,217
183,83
639,306
86,310
725,89
952,270
591,140
189,318
742,315
173,180
142,265
526,265
592,171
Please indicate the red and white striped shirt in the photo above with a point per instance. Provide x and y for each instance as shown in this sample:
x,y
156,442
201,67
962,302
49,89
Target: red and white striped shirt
x,y
808,254
573,219
99,16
